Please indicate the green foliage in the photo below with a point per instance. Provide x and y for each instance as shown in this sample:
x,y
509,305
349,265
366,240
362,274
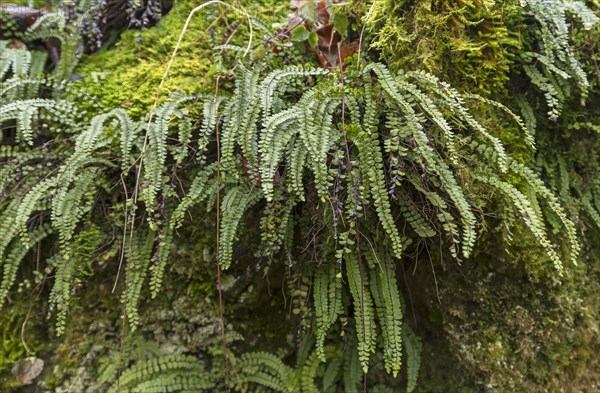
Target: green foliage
x,y
175,373
389,311
364,311
266,370
464,42
328,303
257,131
143,367
368,163
555,53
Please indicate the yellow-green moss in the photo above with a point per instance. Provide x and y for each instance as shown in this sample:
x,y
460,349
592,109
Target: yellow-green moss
x,y
464,42
129,74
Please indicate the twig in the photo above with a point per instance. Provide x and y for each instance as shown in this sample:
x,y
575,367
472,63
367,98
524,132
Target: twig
x,y
362,31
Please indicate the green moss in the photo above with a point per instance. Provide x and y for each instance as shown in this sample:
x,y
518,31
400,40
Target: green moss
x,y
508,329
129,74
17,338
466,43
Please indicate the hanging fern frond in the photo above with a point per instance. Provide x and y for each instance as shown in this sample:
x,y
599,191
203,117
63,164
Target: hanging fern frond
x,y
353,373
413,347
371,164
198,192
363,310
137,258
558,57
327,290
529,215
234,205
160,259
10,263
385,292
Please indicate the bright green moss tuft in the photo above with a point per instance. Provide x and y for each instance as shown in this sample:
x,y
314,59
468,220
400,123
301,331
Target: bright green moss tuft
x,y
466,43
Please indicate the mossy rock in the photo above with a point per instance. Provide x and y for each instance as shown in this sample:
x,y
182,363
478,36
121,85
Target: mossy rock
x,y
469,43
129,74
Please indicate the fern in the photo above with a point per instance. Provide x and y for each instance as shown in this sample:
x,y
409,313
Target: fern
x,y
371,162
26,111
428,155
553,203
234,204
353,373
18,251
413,356
240,122
174,373
269,84
328,303
558,55
363,310
529,215
389,310
138,253
399,151
308,374
197,193
15,60
165,241
264,369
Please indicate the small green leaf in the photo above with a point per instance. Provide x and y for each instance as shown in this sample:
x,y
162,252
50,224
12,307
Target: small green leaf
x,y
212,70
312,39
300,34
340,23
259,52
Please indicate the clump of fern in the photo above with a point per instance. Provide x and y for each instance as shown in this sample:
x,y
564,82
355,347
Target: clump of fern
x,y
380,161
384,159
552,61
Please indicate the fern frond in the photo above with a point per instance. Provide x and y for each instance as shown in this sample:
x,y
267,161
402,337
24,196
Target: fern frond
x,y
275,136
553,203
165,242
364,314
385,292
269,84
309,374
454,101
198,192
234,204
529,215
413,356
353,373
138,253
19,250
327,290
439,167
266,370
371,165
172,373
529,138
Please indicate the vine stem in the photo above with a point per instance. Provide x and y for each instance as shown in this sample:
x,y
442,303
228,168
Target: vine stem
x,y
356,223
218,258
362,30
